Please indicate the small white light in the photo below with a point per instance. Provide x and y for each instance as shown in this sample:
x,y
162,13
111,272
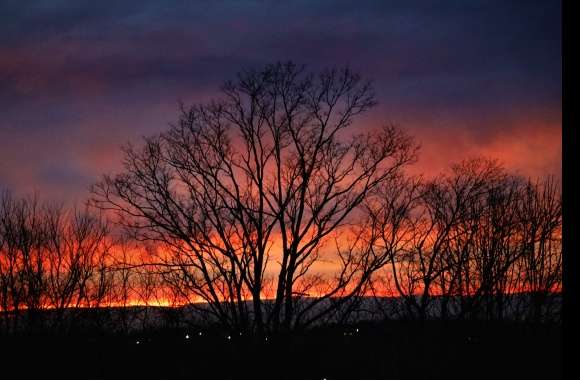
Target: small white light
x,y
356,330
229,337
199,333
187,336
266,339
240,334
137,342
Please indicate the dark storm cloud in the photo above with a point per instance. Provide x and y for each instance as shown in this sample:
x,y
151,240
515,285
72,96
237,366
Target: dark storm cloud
x,y
78,78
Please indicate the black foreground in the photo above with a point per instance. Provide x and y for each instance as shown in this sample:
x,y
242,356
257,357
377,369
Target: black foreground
x,y
389,350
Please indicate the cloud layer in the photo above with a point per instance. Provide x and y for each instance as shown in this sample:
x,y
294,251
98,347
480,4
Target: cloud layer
x,y
80,78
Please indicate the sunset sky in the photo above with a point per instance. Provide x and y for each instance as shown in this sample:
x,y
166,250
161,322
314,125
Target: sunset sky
x,y
80,78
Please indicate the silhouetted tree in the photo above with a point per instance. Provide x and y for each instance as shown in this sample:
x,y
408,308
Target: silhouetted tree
x,y
48,258
540,266
471,237
74,241
23,236
268,172
395,220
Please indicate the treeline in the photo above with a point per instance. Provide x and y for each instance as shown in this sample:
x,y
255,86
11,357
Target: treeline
x,y
49,258
267,210
474,237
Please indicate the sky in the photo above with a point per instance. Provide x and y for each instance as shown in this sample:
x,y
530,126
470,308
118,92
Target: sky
x,y
78,79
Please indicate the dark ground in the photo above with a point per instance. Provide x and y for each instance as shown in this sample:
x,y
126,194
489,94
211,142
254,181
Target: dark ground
x,y
391,350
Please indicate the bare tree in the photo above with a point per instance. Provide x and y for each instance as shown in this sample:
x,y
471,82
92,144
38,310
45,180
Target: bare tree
x,y
74,242
478,236
395,219
540,266
271,164
48,256
100,287
7,264
423,262
21,261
